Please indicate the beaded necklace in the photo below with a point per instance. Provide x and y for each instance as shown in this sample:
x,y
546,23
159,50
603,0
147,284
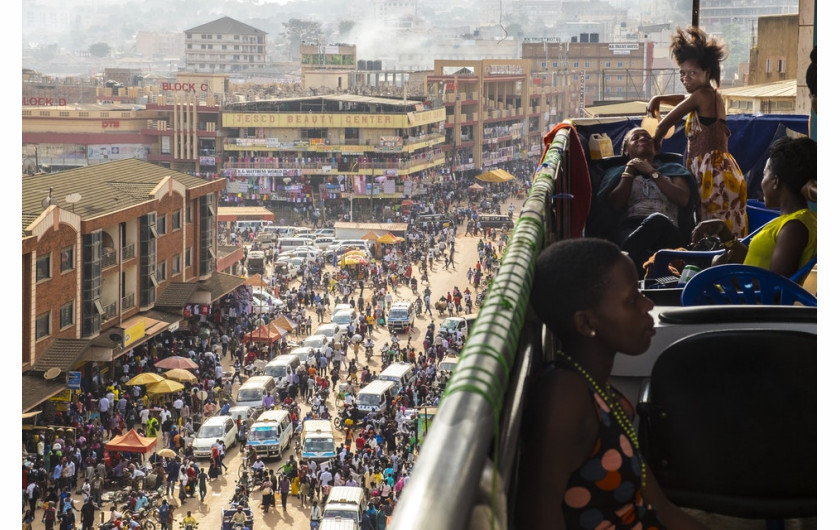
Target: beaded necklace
x,y
616,410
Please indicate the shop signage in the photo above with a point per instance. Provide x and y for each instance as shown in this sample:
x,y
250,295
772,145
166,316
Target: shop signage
x,y
134,333
74,380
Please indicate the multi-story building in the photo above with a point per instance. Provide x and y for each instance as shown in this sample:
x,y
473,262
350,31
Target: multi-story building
x,y
774,56
599,71
57,135
110,255
225,45
173,123
327,57
496,110
302,151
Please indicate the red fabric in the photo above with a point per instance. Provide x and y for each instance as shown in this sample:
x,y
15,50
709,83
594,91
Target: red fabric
x,y
131,442
580,183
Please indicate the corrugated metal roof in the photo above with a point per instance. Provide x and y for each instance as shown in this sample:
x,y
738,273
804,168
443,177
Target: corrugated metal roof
x,y
777,89
105,188
626,108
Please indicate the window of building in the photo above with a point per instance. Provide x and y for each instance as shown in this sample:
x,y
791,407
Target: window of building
x,y
188,257
189,46
620,77
42,325
161,225
619,89
543,64
189,214
587,77
43,268
160,274
769,66
66,315
83,114
576,77
189,35
176,220
218,37
554,64
575,64
607,77
586,64
620,64
607,64
175,267
67,258
224,46
236,37
782,66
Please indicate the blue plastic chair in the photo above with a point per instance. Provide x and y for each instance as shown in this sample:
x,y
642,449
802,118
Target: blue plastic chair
x,y
759,215
800,275
743,285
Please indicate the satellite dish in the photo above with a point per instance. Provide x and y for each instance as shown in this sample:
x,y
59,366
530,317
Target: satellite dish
x,y
202,395
52,373
116,337
73,198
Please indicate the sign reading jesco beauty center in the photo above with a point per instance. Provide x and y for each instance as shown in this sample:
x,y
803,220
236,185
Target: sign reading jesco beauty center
x,y
298,120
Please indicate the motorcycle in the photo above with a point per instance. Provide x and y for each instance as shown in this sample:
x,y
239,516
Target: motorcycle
x,y
368,352
479,299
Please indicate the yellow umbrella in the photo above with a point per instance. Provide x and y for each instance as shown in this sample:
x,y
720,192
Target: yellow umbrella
x,y
257,280
389,239
146,378
165,387
371,236
167,453
496,175
353,260
360,253
179,374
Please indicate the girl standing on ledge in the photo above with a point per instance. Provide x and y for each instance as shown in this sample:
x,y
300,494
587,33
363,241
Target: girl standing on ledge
x,y
723,190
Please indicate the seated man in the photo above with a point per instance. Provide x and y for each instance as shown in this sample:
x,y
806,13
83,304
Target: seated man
x,y
655,200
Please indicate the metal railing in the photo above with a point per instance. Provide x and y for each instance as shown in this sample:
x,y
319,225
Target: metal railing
x,y
128,302
468,455
109,258
128,252
110,311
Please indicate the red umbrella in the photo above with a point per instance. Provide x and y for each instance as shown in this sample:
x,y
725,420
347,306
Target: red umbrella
x,y
176,362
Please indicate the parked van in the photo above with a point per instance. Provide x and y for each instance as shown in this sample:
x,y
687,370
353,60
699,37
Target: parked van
x,y
280,367
252,391
400,373
214,428
345,503
432,219
318,443
256,262
256,226
376,395
281,231
492,220
271,433
288,243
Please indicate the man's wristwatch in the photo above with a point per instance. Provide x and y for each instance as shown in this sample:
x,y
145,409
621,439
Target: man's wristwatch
x,y
654,175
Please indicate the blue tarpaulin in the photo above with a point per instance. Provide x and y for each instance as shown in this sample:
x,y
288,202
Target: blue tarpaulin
x,y
751,138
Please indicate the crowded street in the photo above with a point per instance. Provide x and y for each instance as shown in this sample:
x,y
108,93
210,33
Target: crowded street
x,y
438,272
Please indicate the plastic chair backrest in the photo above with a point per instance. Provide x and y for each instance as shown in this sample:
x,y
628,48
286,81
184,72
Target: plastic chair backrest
x,y
800,275
728,423
743,284
758,215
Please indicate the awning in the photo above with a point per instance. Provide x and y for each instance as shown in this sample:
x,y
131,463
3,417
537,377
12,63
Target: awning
x,y
244,213
138,329
36,390
220,284
176,295
62,354
132,442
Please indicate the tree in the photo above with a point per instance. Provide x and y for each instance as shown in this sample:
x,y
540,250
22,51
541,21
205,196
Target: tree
x,y
297,31
100,49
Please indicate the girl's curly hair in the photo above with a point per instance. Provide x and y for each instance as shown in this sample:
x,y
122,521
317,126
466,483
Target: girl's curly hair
x,y
692,44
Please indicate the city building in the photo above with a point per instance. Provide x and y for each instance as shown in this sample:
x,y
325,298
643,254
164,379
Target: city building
x,y
306,152
774,56
111,254
160,44
327,57
174,123
778,97
225,45
598,71
496,111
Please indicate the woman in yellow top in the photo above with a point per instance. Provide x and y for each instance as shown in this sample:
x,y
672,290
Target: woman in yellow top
x,y
787,243
723,190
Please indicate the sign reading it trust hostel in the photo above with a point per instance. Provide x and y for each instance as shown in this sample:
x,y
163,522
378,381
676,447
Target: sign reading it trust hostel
x,y
299,120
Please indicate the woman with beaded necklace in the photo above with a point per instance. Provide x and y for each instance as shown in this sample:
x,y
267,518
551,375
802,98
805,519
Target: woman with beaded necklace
x,y
581,466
